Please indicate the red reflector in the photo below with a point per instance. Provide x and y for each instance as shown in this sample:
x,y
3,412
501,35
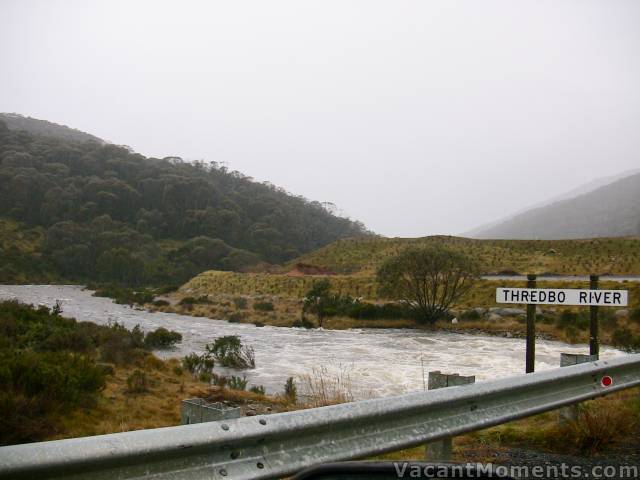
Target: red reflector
x,y
606,381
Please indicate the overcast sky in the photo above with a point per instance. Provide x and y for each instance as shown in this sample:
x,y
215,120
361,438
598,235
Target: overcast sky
x,y
416,117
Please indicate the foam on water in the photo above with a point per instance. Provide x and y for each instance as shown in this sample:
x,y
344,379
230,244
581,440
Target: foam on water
x,y
379,362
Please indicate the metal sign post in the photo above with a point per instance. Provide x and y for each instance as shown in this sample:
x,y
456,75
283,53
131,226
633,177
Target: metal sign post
x,y
594,347
531,330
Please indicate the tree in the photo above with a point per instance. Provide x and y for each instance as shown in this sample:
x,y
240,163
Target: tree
x,y
428,280
318,299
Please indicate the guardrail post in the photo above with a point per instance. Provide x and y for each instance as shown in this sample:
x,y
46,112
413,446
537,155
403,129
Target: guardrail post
x,y
440,450
198,410
566,359
531,330
594,348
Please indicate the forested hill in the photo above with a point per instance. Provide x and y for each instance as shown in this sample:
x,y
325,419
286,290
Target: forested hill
x,y
86,210
16,121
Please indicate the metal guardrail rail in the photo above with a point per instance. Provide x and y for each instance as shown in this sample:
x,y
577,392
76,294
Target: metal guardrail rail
x,y
272,446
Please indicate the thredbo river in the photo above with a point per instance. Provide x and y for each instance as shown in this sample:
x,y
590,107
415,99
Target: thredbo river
x,y
378,362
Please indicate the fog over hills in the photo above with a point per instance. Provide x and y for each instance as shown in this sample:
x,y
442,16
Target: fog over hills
x,y
607,207
15,121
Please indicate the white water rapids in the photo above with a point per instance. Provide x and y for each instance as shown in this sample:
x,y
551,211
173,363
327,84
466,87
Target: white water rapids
x,y
378,362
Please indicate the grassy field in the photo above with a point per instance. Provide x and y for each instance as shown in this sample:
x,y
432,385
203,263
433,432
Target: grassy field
x,y
619,256
482,294
216,295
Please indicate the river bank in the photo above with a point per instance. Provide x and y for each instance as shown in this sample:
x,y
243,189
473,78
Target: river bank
x,y
553,323
376,362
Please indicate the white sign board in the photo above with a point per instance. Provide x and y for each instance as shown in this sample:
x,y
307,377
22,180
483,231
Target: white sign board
x,y
563,296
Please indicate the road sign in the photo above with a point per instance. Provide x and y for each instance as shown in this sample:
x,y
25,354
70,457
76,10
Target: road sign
x,y
562,296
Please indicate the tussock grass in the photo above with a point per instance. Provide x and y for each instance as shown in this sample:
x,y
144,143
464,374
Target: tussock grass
x,y
619,256
602,424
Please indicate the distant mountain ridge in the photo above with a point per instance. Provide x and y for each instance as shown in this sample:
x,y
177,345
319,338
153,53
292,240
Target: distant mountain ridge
x,y
580,190
611,210
15,121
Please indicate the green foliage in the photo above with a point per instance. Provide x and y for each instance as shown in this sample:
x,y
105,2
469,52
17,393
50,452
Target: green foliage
x,y
47,368
199,364
566,318
259,389
137,382
263,306
230,352
303,323
634,315
114,216
125,296
237,383
624,339
161,338
122,346
428,279
372,311
318,300
240,303
290,390
203,299
35,387
470,315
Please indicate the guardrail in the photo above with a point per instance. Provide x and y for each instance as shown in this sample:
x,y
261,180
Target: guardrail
x,y
272,446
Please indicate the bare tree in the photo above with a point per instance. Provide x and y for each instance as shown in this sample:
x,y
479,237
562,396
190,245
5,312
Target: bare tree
x,y
428,280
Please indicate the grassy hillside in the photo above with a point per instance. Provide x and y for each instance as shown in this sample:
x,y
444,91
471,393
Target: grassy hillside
x,y
216,283
616,256
609,211
258,284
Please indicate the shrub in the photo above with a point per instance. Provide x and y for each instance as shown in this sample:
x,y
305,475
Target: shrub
x,y
290,390
125,296
161,338
197,364
192,300
167,289
470,315
240,303
161,303
596,429
219,380
258,323
263,306
572,334
237,383
608,320
120,345
371,311
566,318
259,389
235,317
137,382
230,352
624,339
634,315
303,323
36,387
187,301
178,371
